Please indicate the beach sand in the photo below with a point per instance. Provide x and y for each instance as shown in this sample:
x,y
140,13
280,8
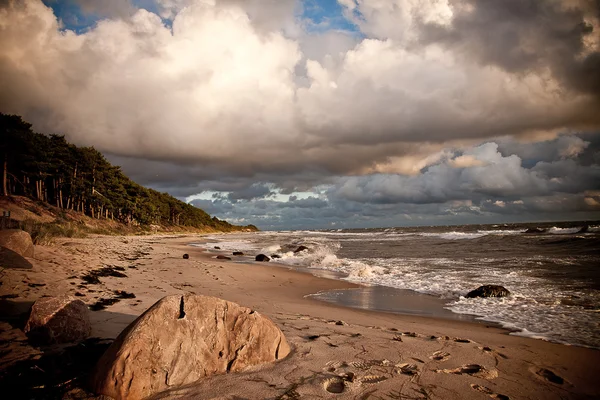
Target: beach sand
x,y
338,352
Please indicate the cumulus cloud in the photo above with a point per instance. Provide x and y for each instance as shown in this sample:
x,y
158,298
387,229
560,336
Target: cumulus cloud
x,y
217,86
237,97
466,161
524,36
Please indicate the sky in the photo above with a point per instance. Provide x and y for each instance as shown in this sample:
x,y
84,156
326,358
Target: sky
x,y
319,114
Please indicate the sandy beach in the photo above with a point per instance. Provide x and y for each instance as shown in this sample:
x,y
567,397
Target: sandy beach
x,y
338,352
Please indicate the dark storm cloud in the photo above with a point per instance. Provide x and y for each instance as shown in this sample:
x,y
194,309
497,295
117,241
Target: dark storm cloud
x,y
523,36
310,202
477,174
254,191
478,184
550,150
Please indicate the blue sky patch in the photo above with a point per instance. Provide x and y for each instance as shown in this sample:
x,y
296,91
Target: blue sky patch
x,y
318,15
71,15
326,15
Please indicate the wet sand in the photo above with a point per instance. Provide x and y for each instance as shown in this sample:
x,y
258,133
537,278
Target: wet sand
x,y
337,351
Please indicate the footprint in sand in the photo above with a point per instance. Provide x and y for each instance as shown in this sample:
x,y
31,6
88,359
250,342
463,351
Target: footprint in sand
x,y
336,364
489,392
460,340
440,356
361,364
487,349
473,370
549,376
334,385
372,379
407,369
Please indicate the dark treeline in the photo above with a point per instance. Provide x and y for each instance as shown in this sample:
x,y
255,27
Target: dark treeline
x,y
50,169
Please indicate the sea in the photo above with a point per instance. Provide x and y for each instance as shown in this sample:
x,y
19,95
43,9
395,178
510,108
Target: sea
x,y
551,269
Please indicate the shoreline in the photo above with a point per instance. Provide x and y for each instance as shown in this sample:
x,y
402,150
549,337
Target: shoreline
x,y
329,340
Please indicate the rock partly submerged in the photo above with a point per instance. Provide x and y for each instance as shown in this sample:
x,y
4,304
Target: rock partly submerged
x,y
62,319
18,241
262,257
488,291
182,339
535,230
300,248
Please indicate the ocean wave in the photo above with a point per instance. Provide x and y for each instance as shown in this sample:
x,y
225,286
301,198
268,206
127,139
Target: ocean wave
x,y
454,235
563,231
541,304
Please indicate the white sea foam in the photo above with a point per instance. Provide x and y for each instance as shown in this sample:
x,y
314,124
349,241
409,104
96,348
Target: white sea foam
x,y
535,308
563,231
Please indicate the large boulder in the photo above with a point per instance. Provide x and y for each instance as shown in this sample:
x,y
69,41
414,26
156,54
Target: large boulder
x,y
18,241
488,291
60,319
182,339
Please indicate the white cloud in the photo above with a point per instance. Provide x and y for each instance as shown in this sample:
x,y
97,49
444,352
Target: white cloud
x,y
466,161
237,93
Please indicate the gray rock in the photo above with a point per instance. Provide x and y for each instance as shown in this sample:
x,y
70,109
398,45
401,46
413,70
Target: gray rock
x,y
60,319
262,257
182,339
300,248
535,230
18,241
488,291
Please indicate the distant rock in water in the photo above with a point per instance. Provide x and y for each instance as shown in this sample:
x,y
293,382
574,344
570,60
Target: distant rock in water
x,y
535,230
488,291
60,319
584,229
238,253
182,339
262,257
275,256
222,257
300,248
186,256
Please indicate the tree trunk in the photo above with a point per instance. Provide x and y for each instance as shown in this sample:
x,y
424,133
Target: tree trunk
x,y
4,176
